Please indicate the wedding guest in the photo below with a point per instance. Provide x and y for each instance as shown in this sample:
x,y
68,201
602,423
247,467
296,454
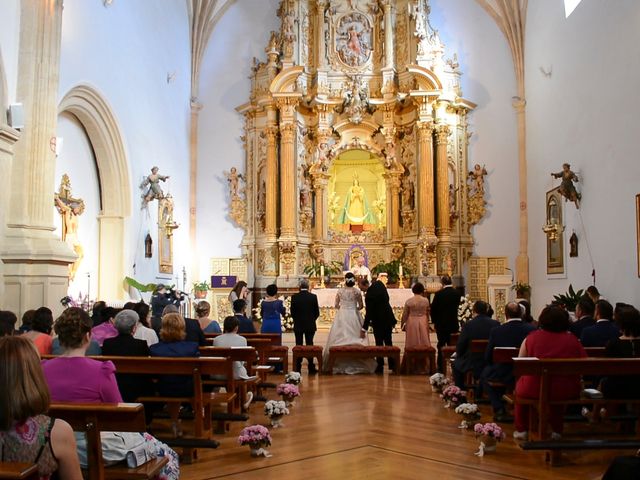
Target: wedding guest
x,y
27,434
246,325
584,315
143,330
173,343
272,310
415,322
305,311
626,346
478,328
203,310
93,348
131,386
8,322
593,293
194,332
40,333
526,314
96,312
444,314
27,320
552,340
239,291
604,330
106,329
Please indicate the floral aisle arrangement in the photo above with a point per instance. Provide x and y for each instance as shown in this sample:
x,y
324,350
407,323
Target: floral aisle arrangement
x,y
453,396
257,437
257,312
438,381
287,320
490,434
275,410
288,391
465,310
294,378
470,414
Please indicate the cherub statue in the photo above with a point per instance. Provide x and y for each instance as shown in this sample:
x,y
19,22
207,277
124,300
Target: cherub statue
x,y
476,176
153,183
567,189
233,177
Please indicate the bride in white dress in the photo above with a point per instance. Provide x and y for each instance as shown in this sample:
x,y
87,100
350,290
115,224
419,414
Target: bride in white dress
x,y
346,329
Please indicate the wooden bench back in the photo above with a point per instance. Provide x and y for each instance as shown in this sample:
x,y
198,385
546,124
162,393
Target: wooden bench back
x,y
274,338
18,471
504,354
453,339
576,366
237,354
597,352
93,418
479,346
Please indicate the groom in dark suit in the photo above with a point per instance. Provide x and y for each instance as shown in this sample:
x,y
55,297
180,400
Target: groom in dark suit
x,y
444,315
379,315
305,311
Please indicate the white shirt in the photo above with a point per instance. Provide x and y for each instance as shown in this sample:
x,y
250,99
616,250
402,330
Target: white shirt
x,y
233,340
147,334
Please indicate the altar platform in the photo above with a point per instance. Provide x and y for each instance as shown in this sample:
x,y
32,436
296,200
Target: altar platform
x,y
327,299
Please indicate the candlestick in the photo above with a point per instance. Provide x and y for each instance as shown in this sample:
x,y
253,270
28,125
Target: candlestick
x,y
321,276
400,270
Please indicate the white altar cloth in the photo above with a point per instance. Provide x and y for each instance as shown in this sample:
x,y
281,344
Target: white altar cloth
x,y
397,296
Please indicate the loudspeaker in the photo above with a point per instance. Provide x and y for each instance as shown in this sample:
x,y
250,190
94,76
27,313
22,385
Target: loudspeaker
x,y
15,116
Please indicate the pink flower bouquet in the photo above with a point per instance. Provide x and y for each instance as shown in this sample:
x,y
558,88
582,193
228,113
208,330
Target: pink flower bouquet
x,y
453,395
288,391
255,436
491,430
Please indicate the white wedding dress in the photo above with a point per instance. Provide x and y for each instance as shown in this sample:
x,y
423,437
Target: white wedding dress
x,y
345,330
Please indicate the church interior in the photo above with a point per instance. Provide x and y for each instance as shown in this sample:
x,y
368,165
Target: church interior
x,y
200,143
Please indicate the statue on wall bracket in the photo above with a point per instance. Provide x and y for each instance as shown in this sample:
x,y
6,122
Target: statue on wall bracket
x,y
567,188
238,204
151,186
70,209
476,201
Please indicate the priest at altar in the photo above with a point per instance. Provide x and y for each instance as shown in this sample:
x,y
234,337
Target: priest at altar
x,y
360,270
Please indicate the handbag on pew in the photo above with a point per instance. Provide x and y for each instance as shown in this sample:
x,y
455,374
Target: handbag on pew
x,y
115,447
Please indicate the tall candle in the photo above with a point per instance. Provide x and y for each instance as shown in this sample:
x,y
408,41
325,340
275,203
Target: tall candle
x,y
322,270
400,270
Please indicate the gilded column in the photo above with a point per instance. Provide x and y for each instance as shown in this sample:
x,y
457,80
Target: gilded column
x,y
320,181
388,35
442,181
271,194
426,180
394,182
320,8
288,206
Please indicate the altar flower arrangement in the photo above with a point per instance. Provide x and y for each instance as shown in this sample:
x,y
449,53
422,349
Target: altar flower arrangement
x,y
257,437
257,312
490,433
287,319
465,310
294,378
469,412
453,395
438,381
288,392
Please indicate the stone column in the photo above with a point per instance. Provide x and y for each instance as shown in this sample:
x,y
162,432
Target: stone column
x,y
426,180
442,182
193,184
271,194
8,137
36,263
522,262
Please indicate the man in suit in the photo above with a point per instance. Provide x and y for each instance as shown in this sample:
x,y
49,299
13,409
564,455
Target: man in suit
x,y
131,386
379,315
478,328
245,325
305,311
598,335
444,315
584,314
510,334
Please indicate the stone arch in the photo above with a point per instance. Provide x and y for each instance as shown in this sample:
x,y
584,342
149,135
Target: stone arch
x,y
96,116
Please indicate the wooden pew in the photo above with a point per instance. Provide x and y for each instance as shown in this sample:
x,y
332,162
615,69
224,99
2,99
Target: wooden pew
x,y
449,350
358,351
93,418
274,352
18,471
546,368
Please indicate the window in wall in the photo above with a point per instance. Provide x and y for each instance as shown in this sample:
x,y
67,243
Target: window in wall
x,y
570,6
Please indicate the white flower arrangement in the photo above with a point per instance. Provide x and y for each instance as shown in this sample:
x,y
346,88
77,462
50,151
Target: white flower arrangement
x,y
257,312
438,380
465,310
467,408
293,378
287,320
274,408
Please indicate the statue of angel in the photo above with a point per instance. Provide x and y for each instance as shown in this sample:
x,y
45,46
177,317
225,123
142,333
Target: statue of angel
x,y
152,184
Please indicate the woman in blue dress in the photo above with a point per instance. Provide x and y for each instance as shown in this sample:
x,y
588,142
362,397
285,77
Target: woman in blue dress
x,y
272,310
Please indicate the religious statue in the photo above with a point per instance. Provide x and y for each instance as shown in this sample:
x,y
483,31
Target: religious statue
x,y
379,206
70,208
238,206
476,176
153,183
567,189
356,209
333,206
407,193
233,177
353,39
356,101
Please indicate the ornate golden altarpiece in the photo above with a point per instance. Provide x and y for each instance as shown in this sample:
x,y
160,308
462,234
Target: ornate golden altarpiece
x,y
362,86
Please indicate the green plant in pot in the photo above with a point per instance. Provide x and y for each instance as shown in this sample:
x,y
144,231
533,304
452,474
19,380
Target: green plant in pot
x,y
392,269
200,289
570,298
315,268
139,286
522,289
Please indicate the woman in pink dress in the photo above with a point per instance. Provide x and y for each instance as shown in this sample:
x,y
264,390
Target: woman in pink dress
x,y
415,321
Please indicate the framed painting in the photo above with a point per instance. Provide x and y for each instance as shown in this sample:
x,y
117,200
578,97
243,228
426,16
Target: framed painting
x,y
555,237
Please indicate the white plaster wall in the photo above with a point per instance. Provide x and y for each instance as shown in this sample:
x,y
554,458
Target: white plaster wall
x,y
9,45
489,80
77,160
585,114
126,51
241,34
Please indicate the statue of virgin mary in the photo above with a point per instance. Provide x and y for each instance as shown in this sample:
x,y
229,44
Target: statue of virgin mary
x,y
356,209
